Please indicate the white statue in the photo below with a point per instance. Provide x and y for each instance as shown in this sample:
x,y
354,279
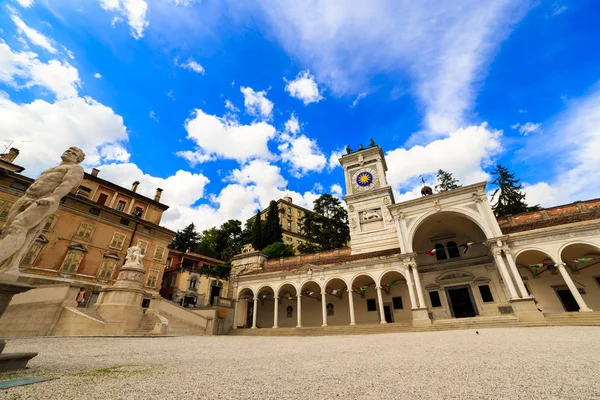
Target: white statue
x,y
26,217
370,215
134,255
248,248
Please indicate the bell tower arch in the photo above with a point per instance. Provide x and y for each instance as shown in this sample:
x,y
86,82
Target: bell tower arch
x,y
372,226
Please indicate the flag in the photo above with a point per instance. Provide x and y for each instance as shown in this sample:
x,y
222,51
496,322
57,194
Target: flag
x,y
583,260
538,266
392,284
466,246
432,252
364,288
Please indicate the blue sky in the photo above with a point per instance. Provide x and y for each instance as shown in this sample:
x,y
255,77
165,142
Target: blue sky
x,y
224,104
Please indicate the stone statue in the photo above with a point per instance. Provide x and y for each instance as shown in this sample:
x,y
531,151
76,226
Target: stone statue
x,y
348,150
248,248
360,147
372,143
26,217
134,255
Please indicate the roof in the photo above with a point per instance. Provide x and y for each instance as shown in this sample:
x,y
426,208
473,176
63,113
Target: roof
x,y
199,256
299,262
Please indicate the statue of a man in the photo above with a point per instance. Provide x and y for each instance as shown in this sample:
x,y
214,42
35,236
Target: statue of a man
x,y
25,219
134,255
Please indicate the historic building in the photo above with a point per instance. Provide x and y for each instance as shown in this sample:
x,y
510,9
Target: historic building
x,y
438,257
86,240
187,280
290,219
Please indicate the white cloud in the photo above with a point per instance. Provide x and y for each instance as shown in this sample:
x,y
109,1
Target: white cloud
x,y
133,10
153,116
195,157
170,95
256,103
465,152
305,88
230,106
34,36
527,127
303,154
59,77
226,138
25,3
184,3
114,152
358,98
192,65
444,47
97,75
336,190
573,138
334,158
558,9
292,125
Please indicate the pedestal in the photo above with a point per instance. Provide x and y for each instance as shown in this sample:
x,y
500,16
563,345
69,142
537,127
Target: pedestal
x,y
10,362
526,310
420,317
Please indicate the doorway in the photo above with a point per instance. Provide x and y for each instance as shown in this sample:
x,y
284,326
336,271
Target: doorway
x,y
461,302
215,291
387,311
249,312
566,298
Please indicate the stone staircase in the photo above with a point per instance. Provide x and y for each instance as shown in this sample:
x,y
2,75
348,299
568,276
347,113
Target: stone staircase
x,y
505,321
574,319
91,312
146,326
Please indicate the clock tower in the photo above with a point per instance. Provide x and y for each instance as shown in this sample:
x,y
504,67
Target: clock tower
x,y
372,227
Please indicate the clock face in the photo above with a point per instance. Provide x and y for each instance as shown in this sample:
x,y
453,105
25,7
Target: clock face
x,y
365,179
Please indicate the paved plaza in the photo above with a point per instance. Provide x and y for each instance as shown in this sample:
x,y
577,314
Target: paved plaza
x,y
517,363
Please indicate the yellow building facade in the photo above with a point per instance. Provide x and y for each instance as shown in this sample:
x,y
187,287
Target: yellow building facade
x,y
290,220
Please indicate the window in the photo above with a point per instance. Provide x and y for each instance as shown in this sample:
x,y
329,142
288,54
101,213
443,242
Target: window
x,y
486,294
19,185
85,232
50,221
173,280
289,210
73,258
299,228
117,241
143,245
397,303
34,250
109,264
169,262
159,253
121,205
124,221
152,278
138,211
452,250
298,241
289,225
5,206
193,283
102,198
435,299
94,211
84,191
371,305
288,239
440,253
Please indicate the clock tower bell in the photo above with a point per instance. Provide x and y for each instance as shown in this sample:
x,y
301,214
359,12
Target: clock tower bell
x,y
372,227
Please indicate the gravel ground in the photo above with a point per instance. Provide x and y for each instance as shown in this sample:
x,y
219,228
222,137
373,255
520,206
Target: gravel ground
x,y
513,363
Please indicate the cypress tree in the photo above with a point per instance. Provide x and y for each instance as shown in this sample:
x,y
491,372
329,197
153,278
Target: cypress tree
x,y
187,238
257,234
272,227
511,199
446,181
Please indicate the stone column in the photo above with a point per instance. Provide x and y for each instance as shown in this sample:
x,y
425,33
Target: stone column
x,y
254,310
324,307
351,305
235,313
516,274
299,311
276,312
380,300
504,273
411,290
563,271
418,287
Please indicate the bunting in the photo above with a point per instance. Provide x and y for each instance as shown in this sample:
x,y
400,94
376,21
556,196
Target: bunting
x,y
432,252
466,246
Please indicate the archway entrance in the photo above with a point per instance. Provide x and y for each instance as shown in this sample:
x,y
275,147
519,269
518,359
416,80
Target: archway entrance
x,y
582,263
245,308
310,302
287,310
337,306
366,304
397,303
265,307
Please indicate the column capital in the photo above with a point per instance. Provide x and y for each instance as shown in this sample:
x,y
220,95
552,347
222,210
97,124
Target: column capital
x,y
378,287
298,295
560,264
497,252
276,297
255,298
506,250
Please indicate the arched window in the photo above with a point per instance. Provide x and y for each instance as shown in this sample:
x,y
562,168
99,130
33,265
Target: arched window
x,y
440,252
73,258
109,265
193,283
453,251
33,251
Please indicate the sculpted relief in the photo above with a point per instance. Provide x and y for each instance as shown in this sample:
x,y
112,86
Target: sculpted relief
x,y
26,217
370,215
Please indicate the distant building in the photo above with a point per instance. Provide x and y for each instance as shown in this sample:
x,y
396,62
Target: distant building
x,y
86,240
186,283
290,220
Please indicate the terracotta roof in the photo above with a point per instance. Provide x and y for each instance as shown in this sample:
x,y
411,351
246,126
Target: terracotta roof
x,y
196,255
291,266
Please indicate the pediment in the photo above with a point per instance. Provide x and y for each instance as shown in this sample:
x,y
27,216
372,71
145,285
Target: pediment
x,y
455,276
78,247
111,255
307,267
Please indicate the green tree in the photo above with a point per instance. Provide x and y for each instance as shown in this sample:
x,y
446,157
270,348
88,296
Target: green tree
x,y
257,233
229,240
278,249
446,181
510,198
272,231
208,243
326,226
184,239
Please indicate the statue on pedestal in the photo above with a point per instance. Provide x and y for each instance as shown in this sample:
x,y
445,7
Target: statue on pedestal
x,y
26,217
134,255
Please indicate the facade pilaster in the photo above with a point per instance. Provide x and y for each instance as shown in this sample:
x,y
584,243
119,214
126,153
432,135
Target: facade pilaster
x,y
516,275
351,305
299,311
419,287
411,289
504,273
